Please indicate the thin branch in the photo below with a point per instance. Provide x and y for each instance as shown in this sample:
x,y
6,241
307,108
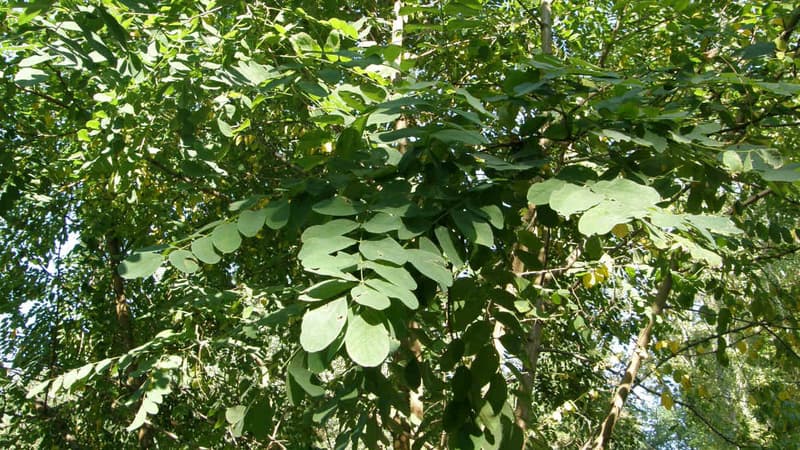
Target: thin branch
x,y
790,24
782,342
781,254
692,345
181,177
610,42
47,97
750,200
697,414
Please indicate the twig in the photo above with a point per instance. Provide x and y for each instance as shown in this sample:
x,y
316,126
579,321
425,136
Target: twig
x,y
697,414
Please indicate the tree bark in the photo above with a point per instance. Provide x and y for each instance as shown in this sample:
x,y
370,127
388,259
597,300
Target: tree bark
x,y
121,308
125,323
546,21
533,340
603,438
403,440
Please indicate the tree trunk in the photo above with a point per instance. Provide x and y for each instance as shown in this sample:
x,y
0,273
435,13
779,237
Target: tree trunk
x,y
603,438
121,308
533,341
125,323
403,440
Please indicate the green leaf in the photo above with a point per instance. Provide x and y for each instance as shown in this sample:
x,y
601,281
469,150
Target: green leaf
x,y
336,227
325,290
628,193
386,249
390,290
325,246
258,420
788,174
235,414
277,214
224,127
474,102
28,76
714,224
349,30
475,228
467,137
332,266
140,265
364,295
539,193
732,161
34,60
571,199
322,325
367,340
302,43
251,222
382,223
394,275
787,89
254,73
203,249
602,218
494,214
184,261
226,238
298,374
430,265
656,141
448,247
337,206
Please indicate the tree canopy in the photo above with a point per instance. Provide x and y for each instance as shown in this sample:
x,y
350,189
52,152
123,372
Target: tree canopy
x,y
466,224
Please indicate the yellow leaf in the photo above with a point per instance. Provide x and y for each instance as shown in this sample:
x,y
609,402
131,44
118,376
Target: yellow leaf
x,y
702,391
783,395
686,381
674,347
588,280
666,400
741,346
620,230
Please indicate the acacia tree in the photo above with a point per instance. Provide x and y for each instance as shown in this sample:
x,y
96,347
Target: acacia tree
x,y
467,224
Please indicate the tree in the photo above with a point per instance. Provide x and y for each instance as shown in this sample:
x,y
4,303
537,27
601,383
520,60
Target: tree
x,y
360,224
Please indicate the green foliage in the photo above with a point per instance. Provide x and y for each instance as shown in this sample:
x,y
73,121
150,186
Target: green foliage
x,y
362,215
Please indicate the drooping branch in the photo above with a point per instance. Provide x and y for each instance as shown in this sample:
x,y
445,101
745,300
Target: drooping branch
x,y
603,437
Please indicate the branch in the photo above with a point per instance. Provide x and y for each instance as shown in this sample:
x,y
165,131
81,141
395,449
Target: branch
x,y
610,42
47,97
783,343
790,24
750,200
780,254
181,177
603,438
